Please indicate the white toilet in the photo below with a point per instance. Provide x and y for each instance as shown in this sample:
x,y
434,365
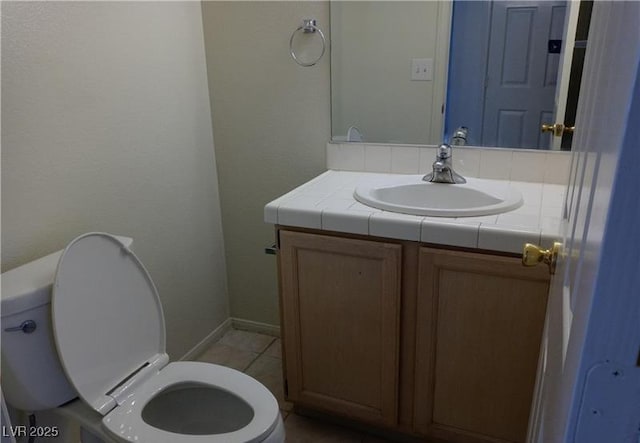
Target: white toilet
x,y
102,309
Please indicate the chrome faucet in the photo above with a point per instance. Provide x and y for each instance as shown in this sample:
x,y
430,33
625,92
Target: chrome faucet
x,y
442,170
459,137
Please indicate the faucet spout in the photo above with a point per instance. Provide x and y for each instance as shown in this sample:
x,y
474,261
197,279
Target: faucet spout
x,y
442,169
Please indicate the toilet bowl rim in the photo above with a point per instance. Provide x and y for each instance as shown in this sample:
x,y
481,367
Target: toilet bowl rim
x,y
125,422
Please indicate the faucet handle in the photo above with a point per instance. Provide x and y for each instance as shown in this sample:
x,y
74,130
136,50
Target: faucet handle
x,y
438,166
444,151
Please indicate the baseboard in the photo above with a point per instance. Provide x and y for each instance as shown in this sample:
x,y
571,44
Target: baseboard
x,y
213,337
255,326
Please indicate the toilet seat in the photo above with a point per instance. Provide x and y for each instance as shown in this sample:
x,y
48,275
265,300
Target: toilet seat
x,y
126,422
107,319
109,330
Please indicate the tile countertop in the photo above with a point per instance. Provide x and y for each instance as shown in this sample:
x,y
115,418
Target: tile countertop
x,y
326,202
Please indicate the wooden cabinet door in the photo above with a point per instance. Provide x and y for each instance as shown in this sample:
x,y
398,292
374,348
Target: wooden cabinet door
x,y
340,305
479,327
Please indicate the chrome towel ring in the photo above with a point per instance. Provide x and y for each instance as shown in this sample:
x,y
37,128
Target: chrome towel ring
x,y
308,27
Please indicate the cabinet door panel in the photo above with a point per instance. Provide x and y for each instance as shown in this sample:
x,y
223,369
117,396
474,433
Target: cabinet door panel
x,y
481,320
341,300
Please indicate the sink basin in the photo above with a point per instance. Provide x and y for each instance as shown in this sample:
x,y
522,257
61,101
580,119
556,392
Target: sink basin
x,y
414,196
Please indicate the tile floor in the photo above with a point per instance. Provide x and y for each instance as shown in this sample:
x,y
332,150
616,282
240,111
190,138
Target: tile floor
x,y
260,356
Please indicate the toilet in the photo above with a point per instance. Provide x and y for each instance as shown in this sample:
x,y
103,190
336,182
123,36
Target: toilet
x,y
87,322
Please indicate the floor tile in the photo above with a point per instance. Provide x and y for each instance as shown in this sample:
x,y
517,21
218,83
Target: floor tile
x,y
275,350
229,356
305,430
268,371
248,341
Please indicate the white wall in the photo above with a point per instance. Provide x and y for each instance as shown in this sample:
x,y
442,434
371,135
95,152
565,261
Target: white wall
x,y
271,120
373,45
106,127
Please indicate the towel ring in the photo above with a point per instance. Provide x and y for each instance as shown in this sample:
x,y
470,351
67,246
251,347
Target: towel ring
x,y
308,27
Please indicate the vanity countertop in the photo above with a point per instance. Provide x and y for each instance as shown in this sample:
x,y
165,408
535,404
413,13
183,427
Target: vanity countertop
x,y
326,203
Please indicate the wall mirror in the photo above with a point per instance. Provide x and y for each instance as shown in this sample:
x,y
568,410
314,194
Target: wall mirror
x,y
414,72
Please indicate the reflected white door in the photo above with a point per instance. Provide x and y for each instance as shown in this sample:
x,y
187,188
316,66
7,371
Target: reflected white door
x,y
521,73
564,70
580,398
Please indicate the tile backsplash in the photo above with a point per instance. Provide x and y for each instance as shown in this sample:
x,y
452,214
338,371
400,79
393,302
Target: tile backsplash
x,y
496,163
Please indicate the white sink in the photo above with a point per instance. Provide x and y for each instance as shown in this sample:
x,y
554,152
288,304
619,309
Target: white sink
x,y
412,195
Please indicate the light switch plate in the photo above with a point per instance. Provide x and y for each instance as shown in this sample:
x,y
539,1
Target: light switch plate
x,y
422,69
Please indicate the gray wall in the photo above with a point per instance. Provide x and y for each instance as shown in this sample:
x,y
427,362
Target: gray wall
x,y
106,127
271,122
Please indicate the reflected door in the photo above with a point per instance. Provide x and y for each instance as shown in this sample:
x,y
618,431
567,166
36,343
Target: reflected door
x,y
522,72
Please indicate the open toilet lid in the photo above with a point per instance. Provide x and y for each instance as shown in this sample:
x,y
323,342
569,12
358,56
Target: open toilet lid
x,y
107,317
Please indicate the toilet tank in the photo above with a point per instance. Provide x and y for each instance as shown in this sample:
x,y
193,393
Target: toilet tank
x,y
32,375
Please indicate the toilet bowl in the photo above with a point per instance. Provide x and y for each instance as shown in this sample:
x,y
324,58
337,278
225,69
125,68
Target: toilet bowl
x,y
216,404
109,332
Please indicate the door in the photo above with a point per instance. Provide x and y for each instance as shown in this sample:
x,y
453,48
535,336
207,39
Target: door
x,y
340,308
577,22
565,70
522,72
589,370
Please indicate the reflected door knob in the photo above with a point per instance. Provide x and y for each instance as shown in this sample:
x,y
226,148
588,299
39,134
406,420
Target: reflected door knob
x,y
532,255
558,129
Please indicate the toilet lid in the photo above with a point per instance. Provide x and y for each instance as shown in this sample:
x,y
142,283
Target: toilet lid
x,y
107,317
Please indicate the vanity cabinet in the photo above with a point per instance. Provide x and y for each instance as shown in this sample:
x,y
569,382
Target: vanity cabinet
x,y
432,342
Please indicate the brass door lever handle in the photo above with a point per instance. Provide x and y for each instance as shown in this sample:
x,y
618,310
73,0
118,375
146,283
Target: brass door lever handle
x,y
533,254
558,129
